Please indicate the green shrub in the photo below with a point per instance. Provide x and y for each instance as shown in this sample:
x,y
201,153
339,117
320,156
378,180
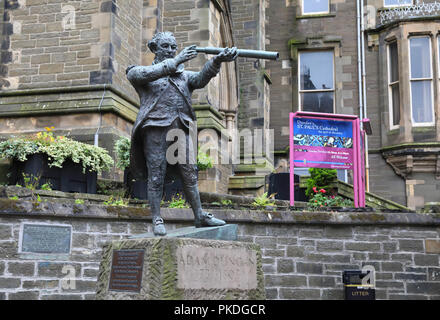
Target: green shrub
x,y
226,202
178,202
263,201
321,179
47,186
30,181
118,202
204,161
122,151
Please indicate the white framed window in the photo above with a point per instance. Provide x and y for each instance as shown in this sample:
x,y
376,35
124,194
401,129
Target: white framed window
x,y
421,81
316,81
393,85
397,3
315,6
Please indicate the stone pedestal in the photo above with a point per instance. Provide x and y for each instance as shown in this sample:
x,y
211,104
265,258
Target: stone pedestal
x,y
180,268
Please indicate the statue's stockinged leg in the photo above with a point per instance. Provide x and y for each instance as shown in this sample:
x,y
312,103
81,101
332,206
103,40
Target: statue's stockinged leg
x,y
189,176
192,195
155,155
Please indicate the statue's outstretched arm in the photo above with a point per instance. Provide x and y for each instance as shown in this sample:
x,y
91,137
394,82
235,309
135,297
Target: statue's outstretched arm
x,y
200,79
140,75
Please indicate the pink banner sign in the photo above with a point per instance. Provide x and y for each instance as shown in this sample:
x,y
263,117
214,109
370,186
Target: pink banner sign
x,y
322,143
319,140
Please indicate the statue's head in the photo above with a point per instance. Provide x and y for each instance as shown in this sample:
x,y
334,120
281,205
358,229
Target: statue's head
x,y
163,45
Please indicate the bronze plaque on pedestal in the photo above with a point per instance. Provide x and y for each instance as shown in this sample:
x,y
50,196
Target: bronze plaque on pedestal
x,y
126,271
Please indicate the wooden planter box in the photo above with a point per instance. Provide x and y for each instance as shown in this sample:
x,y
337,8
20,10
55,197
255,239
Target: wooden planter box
x,y
279,183
136,188
139,188
69,178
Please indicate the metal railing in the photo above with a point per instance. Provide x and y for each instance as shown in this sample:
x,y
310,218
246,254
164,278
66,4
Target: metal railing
x,y
404,11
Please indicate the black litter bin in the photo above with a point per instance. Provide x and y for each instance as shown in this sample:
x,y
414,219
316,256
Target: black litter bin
x,y
354,288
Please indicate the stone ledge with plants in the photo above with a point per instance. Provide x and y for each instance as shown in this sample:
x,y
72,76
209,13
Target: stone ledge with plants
x,y
322,195
58,149
47,209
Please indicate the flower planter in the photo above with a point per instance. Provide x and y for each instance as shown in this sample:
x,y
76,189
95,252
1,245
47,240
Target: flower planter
x,y
69,178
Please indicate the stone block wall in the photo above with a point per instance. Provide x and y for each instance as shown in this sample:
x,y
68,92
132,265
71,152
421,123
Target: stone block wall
x,y
410,151
254,84
72,55
126,26
63,65
307,262
151,23
52,43
249,26
336,31
304,254
384,181
204,23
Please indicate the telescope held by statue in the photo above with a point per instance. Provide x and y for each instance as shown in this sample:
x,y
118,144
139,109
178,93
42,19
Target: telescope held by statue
x,y
267,55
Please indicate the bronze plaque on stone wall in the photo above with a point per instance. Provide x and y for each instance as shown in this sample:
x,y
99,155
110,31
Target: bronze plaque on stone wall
x,y
126,271
45,238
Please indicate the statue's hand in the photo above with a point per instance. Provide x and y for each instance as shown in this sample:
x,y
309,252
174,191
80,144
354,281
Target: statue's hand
x,y
186,54
227,55
129,68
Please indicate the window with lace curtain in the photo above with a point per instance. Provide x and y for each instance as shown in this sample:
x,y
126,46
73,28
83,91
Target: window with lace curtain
x,y
421,81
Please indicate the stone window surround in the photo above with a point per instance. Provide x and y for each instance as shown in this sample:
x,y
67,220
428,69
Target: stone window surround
x,y
316,44
401,34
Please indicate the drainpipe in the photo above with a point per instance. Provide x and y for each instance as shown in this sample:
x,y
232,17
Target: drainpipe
x,y
364,89
360,60
96,142
360,87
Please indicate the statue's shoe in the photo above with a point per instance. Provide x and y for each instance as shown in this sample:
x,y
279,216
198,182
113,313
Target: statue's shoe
x,y
208,220
159,227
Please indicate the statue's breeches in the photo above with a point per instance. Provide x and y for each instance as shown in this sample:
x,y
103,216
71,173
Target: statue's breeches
x,y
161,154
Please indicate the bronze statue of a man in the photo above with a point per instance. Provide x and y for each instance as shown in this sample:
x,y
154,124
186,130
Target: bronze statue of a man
x,y
165,90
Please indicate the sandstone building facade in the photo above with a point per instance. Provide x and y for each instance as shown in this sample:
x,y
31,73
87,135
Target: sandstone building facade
x,y
396,87
63,65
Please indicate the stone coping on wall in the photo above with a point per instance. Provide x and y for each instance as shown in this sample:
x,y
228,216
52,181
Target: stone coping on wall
x,y
50,209
74,89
